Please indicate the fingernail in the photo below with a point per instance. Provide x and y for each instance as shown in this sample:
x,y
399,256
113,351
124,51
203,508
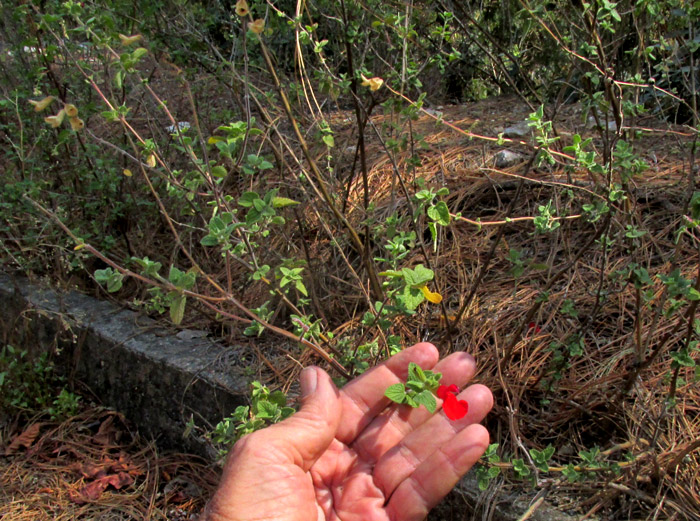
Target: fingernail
x,y
308,381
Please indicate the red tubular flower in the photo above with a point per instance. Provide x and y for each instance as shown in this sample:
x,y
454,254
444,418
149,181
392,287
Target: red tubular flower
x,y
534,326
454,409
443,390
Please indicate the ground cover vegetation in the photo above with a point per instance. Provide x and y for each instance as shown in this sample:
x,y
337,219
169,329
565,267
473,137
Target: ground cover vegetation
x,y
327,182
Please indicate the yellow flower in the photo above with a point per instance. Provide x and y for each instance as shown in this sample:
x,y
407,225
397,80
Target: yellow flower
x,y
373,83
151,160
242,8
76,123
55,121
435,298
71,110
258,26
127,172
42,104
128,40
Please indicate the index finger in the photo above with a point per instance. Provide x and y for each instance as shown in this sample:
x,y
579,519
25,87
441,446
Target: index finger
x,y
363,398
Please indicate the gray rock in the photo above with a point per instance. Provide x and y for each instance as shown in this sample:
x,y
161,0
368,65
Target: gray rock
x,y
506,158
612,126
189,334
518,131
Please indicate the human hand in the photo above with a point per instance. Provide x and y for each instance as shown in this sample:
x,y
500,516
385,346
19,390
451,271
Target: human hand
x,y
353,455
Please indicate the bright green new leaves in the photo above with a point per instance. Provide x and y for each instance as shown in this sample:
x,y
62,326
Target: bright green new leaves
x,y
484,474
267,407
130,59
546,221
283,202
543,132
235,134
148,267
220,229
520,467
418,390
293,276
396,393
176,299
682,357
414,290
437,211
542,457
256,328
585,158
110,278
679,285
255,164
418,276
263,208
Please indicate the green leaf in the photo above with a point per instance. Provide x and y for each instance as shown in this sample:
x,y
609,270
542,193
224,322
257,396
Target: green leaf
x,y
417,276
410,298
571,474
209,240
177,308
266,409
301,288
520,468
111,278
440,213
278,397
683,358
139,53
548,452
329,141
413,385
427,399
396,393
283,202
219,172
246,200
260,272
415,372
217,225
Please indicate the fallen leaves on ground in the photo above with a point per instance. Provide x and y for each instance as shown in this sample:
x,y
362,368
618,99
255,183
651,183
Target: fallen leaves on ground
x,y
93,466
25,439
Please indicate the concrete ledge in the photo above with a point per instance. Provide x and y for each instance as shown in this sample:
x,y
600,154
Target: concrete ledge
x,y
129,362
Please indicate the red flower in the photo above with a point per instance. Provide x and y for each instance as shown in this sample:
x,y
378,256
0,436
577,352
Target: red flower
x,y
454,408
534,326
444,390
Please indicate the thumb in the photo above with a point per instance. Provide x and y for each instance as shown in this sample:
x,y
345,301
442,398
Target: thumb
x,y
304,437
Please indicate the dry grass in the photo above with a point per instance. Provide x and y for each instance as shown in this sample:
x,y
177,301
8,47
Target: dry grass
x,y
57,477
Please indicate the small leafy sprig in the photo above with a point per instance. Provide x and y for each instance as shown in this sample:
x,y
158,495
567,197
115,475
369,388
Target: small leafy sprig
x,y
418,390
267,407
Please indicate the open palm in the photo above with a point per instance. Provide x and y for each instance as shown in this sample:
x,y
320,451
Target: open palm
x,y
354,455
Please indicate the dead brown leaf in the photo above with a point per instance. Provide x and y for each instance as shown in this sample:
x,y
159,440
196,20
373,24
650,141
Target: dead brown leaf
x,y
25,439
92,491
106,434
